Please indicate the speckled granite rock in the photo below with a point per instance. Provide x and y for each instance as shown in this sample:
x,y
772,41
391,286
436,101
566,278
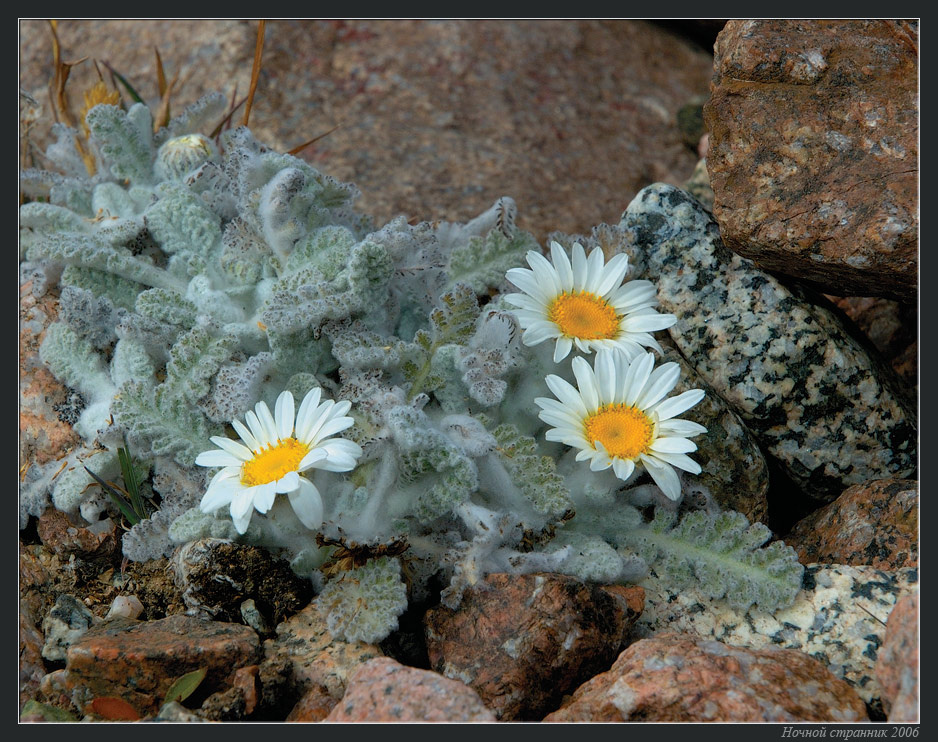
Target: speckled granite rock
x,y
874,523
216,576
437,118
303,656
682,677
814,150
698,185
839,618
383,690
522,641
897,664
734,471
66,623
829,412
137,661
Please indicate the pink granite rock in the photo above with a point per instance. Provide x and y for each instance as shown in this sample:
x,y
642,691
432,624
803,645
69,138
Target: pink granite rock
x,y
898,661
384,690
813,154
684,677
137,661
874,523
522,641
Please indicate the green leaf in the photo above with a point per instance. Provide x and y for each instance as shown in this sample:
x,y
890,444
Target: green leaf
x,y
117,497
184,687
35,711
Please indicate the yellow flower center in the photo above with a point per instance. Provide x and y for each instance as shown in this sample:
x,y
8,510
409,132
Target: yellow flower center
x,y
624,431
584,315
273,462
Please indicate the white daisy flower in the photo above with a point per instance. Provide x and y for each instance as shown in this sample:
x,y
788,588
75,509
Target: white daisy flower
x,y
274,455
619,417
583,302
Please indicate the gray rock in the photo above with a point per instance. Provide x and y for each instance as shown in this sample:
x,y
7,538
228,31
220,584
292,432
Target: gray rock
x,y
66,622
734,471
818,401
839,617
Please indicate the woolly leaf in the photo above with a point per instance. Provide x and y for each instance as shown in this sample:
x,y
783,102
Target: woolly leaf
x,y
120,291
194,360
534,475
481,262
125,140
365,603
180,222
87,252
721,553
162,423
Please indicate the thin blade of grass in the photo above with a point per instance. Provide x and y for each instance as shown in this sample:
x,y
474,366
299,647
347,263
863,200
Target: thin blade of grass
x,y
255,70
120,78
131,483
121,503
221,124
300,148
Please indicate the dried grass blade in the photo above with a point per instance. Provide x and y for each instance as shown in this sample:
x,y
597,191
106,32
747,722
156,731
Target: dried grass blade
x,y
300,148
255,70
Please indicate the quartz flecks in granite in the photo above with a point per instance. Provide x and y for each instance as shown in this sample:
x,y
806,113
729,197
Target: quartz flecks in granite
x,y
839,617
830,412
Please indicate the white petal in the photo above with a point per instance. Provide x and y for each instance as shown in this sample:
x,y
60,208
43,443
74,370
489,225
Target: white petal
x,y
246,435
525,280
341,455
562,349
539,332
313,421
661,381
241,508
217,458
307,411
257,430
594,270
648,322
238,450
605,367
664,475
586,383
264,496
634,294
677,426
672,445
314,456
623,468
335,425
680,460
523,301
307,504
566,393
579,266
562,265
268,425
544,273
283,414
613,273
673,406
220,491
635,378
287,483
